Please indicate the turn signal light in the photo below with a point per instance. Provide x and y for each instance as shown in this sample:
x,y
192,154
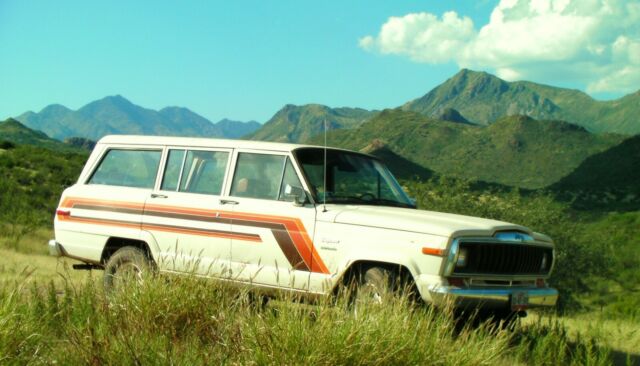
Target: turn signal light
x,y
458,282
433,251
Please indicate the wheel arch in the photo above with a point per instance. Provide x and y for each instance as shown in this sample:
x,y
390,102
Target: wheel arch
x,y
114,243
405,275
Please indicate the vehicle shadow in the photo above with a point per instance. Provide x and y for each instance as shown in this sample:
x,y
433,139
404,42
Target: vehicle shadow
x,y
620,358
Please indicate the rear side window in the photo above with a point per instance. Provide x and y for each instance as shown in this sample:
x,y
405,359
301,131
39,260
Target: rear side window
x,y
195,171
258,176
127,168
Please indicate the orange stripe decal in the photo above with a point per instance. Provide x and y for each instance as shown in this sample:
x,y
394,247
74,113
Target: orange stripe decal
x,y
289,232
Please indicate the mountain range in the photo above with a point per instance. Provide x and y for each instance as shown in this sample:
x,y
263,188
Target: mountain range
x,y
469,96
299,123
117,115
474,98
19,134
483,98
473,126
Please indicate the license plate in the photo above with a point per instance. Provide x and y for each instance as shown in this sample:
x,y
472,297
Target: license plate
x,y
519,300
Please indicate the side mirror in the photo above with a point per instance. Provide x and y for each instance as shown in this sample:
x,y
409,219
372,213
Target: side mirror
x,y
295,194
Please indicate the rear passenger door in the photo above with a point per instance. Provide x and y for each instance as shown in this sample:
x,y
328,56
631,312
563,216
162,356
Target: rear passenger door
x,y
183,213
284,255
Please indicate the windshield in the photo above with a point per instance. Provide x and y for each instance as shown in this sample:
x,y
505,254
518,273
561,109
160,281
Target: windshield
x,y
351,178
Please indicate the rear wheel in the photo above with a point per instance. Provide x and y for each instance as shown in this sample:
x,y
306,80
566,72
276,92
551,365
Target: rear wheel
x,y
127,265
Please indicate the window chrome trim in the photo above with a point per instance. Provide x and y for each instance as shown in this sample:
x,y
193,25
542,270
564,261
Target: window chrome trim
x,y
184,160
284,168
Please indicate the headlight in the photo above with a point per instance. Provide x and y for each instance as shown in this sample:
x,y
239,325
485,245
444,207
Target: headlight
x,y
451,258
461,261
544,262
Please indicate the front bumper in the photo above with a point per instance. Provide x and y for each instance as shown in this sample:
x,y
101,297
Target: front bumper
x,y
494,298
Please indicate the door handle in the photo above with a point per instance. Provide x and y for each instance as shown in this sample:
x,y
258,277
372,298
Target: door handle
x,y
157,195
228,202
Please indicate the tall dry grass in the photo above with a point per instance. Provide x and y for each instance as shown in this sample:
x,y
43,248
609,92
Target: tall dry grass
x,y
186,321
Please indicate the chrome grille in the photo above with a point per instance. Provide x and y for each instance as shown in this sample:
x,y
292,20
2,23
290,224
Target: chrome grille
x,y
505,259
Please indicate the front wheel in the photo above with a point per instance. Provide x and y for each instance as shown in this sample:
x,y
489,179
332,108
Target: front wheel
x,y
126,265
373,286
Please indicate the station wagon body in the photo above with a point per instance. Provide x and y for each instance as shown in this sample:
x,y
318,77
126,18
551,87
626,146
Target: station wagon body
x,y
289,217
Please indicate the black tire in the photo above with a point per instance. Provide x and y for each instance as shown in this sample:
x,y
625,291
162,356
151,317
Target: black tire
x,y
373,285
126,264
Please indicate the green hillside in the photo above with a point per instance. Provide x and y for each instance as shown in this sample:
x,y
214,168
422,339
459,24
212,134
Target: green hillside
x,y
482,98
18,134
236,129
80,142
400,167
610,178
117,115
516,151
32,180
299,123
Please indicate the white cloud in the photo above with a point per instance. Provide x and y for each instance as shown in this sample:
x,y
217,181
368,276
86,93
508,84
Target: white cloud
x,y
596,42
626,75
422,36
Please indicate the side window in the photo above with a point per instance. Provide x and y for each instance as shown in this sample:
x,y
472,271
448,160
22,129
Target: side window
x,y
258,176
127,168
289,178
172,170
202,171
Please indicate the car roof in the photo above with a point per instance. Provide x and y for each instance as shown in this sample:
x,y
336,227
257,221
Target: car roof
x,y
200,142
143,140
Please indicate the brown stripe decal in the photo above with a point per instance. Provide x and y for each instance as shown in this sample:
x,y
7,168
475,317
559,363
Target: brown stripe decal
x,y
289,233
161,227
288,248
84,206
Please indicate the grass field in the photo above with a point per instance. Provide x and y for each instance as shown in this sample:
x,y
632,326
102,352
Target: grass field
x,y
622,336
27,261
51,314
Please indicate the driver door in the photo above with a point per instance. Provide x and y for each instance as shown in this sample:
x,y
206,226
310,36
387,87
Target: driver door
x,y
260,193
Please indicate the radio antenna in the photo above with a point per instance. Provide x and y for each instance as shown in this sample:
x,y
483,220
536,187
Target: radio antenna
x,y
324,196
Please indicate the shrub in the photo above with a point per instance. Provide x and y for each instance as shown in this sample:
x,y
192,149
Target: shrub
x,y
7,145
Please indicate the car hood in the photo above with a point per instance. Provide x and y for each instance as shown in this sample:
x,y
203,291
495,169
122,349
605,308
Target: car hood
x,y
420,221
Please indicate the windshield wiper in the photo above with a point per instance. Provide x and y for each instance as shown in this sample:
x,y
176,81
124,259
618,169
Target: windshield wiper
x,y
389,202
347,199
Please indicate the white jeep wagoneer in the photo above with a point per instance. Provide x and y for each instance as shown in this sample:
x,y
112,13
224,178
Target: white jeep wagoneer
x,y
289,217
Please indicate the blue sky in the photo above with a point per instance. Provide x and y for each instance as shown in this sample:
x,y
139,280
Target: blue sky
x,y
245,59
